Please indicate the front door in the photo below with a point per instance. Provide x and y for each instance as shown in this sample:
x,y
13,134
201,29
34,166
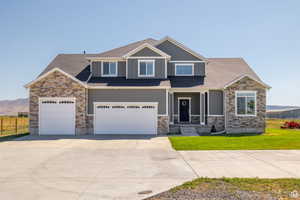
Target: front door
x,y
184,110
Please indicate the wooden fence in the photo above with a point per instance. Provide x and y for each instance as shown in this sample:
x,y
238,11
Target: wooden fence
x,y
13,125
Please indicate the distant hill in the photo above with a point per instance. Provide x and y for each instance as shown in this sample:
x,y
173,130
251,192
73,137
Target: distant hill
x,y
12,107
276,107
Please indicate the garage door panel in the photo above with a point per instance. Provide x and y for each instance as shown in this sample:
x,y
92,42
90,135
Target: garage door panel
x,y
57,116
123,118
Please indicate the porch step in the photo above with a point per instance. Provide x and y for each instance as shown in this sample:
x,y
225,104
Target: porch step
x,y
188,131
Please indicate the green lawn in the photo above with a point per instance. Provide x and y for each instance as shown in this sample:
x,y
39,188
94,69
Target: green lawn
x,y
274,138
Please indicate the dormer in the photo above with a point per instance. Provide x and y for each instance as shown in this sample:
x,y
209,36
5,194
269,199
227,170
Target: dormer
x,y
146,62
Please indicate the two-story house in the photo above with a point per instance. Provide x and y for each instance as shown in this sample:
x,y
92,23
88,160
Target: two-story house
x,y
147,87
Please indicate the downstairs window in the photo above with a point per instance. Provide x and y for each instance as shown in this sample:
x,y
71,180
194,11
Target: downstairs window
x,y
245,103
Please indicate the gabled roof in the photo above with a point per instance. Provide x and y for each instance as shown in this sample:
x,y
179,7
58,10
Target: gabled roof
x,y
146,45
167,38
121,51
222,71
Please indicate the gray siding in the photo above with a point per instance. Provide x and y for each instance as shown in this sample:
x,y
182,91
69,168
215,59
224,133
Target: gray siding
x,y
195,102
127,95
199,69
146,52
96,68
133,69
176,52
121,68
216,102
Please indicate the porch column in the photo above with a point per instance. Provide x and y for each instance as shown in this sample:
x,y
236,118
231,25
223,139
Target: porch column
x,y
200,105
171,104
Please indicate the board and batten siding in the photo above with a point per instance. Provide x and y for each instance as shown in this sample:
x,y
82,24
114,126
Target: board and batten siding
x,y
146,52
96,68
175,51
127,95
216,102
199,69
133,69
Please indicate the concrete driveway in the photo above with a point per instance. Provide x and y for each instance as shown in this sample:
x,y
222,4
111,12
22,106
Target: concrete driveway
x,y
89,168
101,168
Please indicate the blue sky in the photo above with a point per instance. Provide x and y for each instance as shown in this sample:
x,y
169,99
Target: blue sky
x,y
265,33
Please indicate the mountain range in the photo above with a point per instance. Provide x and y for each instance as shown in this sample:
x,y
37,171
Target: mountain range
x,y
12,107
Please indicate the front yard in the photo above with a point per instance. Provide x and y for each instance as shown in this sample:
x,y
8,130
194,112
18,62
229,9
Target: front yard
x,y
234,188
273,139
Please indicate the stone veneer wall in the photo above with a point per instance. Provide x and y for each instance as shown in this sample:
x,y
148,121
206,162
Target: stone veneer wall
x,y
217,121
162,125
57,84
237,124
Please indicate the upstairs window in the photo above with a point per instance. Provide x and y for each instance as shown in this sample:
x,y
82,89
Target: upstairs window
x,y
109,69
146,68
184,69
245,103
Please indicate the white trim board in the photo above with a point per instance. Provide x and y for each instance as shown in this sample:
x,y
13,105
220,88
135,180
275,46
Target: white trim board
x,y
50,72
243,76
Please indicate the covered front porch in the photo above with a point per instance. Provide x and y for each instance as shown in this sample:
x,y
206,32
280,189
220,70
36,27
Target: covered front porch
x,y
203,109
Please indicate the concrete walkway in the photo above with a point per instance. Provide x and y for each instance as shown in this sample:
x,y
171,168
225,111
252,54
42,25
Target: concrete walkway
x,y
262,164
120,167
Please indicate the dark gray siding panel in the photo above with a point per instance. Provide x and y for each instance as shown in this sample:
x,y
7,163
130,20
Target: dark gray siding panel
x,y
127,95
175,52
171,69
133,69
96,68
121,68
216,102
199,69
195,102
146,52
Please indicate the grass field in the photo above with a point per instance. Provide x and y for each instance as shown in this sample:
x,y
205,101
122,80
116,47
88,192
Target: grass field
x,y
239,188
13,126
273,139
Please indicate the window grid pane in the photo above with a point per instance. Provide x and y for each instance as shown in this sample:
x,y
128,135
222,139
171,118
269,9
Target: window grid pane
x,y
246,103
146,68
184,69
241,105
109,68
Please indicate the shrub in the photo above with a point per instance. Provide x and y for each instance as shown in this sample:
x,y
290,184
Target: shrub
x,y
291,125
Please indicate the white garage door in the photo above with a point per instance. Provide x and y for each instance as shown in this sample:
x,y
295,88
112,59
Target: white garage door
x,y
57,116
125,118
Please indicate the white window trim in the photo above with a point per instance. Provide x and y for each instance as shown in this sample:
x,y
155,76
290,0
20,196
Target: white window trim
x,y
255,103
192,64
190,109
109,75
151,75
